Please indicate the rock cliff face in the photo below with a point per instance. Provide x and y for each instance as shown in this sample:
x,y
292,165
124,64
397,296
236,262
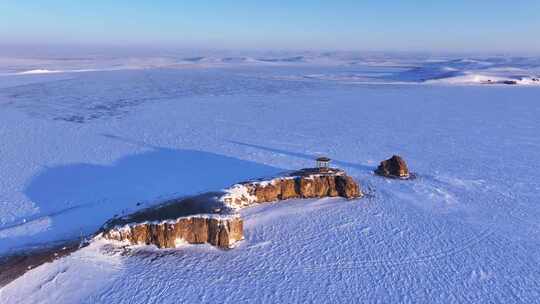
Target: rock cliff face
x,y
393,167
219,231
307,183
210,217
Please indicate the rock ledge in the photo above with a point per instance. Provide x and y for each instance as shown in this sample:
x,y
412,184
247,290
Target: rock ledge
x,y
211,217
305,183
220,231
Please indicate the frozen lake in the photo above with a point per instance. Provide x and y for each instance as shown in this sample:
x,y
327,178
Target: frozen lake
x,y
79,147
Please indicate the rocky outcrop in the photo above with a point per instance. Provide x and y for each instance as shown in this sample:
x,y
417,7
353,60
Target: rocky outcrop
x,y
394,167
219,231
211,218
306,183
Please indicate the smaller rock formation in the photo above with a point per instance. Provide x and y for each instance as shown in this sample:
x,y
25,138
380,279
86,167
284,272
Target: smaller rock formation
x,y
394,167
220,231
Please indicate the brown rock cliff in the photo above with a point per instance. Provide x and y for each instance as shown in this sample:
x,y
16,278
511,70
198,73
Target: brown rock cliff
x,y
222,232
306,183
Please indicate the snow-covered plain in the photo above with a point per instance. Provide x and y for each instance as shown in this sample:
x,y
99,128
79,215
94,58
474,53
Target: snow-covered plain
x,y
91,141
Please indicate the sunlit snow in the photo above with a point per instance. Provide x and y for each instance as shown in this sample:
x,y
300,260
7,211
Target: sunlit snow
x,y
125,133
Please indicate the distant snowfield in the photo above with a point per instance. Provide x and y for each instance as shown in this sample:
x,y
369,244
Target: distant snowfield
x,y
79,148
350,68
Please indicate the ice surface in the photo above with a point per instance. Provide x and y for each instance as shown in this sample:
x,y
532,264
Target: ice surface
x,y
79,148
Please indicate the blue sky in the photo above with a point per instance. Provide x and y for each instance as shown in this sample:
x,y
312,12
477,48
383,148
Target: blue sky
x,y
413,25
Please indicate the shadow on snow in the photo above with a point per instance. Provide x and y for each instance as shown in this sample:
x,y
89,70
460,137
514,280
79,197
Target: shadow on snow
x,y
78,198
